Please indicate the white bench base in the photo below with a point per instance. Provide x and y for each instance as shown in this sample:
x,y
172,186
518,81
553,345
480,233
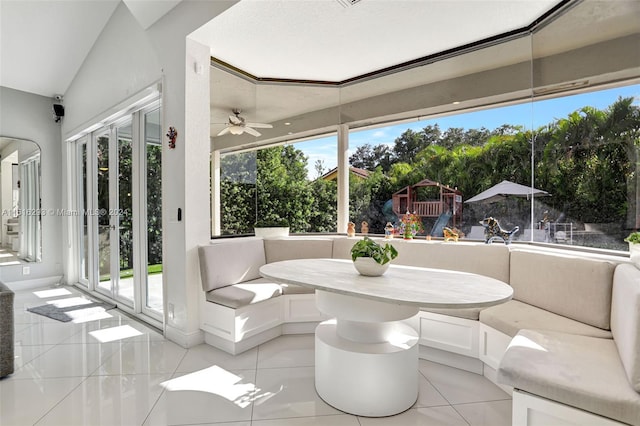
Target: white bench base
x,y
451,334
532,410
461,362
237,330
493,345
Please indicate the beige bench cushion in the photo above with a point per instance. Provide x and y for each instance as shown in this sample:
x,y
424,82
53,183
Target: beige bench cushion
x,y
580,371
625,320
296,289
514,316
573,287
278,249
230,261
239,295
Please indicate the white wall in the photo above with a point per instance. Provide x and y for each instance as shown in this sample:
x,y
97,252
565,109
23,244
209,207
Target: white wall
x,y
124,61
28,116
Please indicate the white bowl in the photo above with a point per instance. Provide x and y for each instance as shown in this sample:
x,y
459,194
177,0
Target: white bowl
x,y
369,267
634,254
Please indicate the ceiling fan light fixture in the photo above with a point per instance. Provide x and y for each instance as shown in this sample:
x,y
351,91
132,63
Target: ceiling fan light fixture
x,y
236,130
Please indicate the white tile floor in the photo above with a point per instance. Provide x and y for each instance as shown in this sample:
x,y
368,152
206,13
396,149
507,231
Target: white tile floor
x,y
90,373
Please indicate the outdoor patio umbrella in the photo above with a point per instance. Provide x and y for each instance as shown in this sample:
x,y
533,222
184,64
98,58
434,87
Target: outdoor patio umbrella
x,y
504,189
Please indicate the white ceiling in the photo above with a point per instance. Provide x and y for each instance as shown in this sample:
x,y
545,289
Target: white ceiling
x,y
43,43
147,12
323,40
588,22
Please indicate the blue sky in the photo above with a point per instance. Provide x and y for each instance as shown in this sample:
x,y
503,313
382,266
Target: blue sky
x,y
527,115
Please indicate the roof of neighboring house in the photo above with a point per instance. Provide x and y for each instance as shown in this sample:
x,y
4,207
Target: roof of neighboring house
x,y
333,173
428,182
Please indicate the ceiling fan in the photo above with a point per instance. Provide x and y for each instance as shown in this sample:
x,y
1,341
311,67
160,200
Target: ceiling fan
x,y
237,125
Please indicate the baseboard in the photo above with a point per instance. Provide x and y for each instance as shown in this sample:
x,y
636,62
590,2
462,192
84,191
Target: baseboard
x,y
186,340
492,374
451,359
245,344
33,283
300,327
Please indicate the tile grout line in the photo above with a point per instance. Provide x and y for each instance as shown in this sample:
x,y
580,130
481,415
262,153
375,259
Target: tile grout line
x,y
436,388
84,379
255,384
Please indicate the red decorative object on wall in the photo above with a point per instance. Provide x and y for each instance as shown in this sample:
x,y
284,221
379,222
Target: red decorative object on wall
x,y
172,135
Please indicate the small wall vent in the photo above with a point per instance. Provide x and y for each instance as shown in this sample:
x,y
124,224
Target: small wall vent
x,y
348,3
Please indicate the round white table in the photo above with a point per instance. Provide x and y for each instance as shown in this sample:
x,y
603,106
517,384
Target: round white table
x,y
366,359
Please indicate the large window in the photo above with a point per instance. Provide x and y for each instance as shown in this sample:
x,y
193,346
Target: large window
x,y
552,113
585,161
292,185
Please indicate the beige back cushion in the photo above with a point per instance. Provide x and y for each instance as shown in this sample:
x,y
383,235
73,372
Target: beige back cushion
x,y
226,262
625,320
342,247
570,286
491,260
278,249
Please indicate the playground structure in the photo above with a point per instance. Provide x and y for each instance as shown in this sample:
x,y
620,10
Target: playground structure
x,y
447,206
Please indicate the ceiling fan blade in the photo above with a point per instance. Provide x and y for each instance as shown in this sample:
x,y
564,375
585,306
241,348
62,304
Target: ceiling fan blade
x,y
260,125
233,119
251,131
224,131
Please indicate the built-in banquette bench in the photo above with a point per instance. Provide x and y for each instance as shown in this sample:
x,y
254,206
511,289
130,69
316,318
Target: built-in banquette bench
x,y
563,293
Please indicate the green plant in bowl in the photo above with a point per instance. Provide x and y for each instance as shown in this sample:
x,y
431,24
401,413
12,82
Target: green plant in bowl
x,y
634,248
281,223
382,254
633,238
271,228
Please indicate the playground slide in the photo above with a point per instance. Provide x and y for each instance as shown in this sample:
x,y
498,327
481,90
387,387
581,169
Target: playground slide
x,y
441,222
387,212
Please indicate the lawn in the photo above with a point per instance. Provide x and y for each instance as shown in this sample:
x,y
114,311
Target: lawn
x,y
128,273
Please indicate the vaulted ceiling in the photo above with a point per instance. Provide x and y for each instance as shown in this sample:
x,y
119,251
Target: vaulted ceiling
x,y
44,43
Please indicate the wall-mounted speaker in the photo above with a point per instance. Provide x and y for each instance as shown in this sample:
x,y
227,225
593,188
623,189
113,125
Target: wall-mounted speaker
x,y
58,112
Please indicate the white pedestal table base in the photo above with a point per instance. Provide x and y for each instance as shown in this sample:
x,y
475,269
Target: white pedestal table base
x,y
366,360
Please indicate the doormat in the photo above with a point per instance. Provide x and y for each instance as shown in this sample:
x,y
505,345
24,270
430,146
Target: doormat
x,y
71,313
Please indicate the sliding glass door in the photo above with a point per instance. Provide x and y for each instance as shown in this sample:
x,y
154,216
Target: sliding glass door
x,y
115,214
118,169
153,210
84,232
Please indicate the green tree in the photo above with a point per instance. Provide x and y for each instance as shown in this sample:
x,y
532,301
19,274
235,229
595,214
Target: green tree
x,y
282,187
410,143
238,193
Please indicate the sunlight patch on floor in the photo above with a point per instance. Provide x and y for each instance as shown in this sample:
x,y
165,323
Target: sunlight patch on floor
x,y
43,294
80,316
217,381
112,334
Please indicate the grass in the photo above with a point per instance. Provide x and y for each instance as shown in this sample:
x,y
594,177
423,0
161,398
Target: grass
x,y
128,273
